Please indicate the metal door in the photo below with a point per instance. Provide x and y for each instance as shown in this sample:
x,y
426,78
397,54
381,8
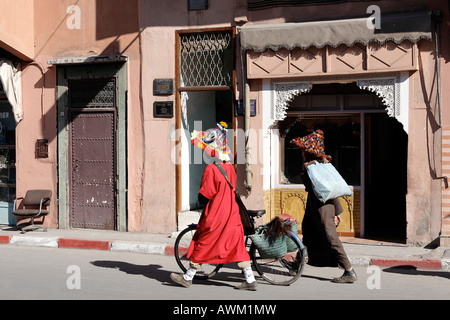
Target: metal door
x,y
93,174
93,170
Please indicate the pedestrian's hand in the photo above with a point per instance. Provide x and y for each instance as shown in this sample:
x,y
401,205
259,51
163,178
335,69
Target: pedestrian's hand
x,y
337,220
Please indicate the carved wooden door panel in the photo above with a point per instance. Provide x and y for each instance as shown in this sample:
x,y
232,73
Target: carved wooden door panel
x,y
92,202
93,171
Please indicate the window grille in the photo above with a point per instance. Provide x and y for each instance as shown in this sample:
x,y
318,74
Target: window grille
x,y
98,93
206,59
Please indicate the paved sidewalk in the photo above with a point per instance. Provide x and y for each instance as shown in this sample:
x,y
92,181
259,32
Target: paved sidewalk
x,y
361,252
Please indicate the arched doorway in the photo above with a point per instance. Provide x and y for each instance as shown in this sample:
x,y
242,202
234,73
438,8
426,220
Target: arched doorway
x,y
368,147
386,147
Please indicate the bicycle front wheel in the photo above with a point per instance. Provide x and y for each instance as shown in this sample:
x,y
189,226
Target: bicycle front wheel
x,y
285,270
181,247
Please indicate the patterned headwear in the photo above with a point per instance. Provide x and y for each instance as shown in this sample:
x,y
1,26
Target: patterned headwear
x,y
313,143
213,141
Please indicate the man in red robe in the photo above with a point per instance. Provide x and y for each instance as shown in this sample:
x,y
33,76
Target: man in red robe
x,y
219,237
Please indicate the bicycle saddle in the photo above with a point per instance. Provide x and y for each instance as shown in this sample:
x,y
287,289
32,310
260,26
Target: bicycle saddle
x,y
256,213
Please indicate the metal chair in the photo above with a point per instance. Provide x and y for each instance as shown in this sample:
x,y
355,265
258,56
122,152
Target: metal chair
x,y
34,204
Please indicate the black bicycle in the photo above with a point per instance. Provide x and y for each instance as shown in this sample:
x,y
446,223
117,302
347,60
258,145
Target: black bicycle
x,y
278,271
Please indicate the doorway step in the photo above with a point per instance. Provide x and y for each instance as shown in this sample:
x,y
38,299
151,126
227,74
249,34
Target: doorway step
x,y
186,218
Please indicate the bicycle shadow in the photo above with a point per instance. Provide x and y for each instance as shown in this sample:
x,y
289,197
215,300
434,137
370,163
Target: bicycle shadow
x,y
316,277
152,271
156,272
228,276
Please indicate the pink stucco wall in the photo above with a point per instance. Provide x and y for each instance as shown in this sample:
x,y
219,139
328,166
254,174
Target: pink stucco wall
x,y
444,66
145,32
105,28
17,27
158,61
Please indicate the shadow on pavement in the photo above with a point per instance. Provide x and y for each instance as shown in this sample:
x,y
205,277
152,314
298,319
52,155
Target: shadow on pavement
x,y
414,271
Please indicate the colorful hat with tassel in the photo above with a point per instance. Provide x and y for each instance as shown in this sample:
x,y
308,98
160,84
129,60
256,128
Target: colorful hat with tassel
x,y
213,141
313,143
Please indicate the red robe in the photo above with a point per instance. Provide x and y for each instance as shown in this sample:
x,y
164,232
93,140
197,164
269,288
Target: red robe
x,y
220,236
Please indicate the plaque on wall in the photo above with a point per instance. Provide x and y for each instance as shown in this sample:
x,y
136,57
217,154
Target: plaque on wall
x,y
162,86
240,108
197,5
163,109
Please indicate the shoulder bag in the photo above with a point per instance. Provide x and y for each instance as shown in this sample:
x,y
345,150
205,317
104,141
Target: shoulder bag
x,y
326,181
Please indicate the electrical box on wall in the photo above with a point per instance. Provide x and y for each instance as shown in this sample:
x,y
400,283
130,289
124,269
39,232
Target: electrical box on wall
x,y
41,149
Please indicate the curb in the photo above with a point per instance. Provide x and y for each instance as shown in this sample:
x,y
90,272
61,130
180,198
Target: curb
x,y
83,244
104,245
5,239
431,264
34,241
121,246
169,250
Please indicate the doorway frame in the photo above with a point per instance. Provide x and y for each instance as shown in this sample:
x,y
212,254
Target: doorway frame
x,y
66,72
392,88
92,111
178,102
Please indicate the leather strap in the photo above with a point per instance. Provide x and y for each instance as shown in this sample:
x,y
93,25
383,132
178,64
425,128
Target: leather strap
x,y
222,170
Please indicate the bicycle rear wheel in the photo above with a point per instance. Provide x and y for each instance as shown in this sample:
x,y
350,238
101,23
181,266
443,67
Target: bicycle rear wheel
x,y
181,247
285,270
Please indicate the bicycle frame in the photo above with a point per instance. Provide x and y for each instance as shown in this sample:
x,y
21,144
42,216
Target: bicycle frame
x,y
293,234
268,269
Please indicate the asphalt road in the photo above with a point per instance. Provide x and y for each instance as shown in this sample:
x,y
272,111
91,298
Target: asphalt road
x,y
73,274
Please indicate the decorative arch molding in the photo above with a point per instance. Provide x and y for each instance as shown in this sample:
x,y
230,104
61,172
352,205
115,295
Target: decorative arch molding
x,y
293,194
284,92
393,89
387,89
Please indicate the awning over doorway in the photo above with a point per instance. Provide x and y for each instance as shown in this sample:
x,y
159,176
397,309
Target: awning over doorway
x,y
88,60
397,28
